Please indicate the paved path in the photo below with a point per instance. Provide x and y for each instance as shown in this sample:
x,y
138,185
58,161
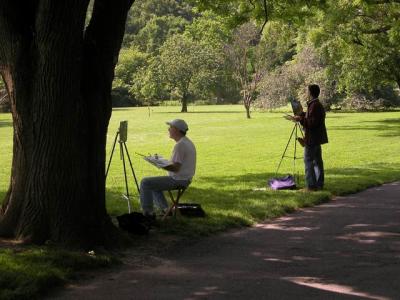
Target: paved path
x,y
348,248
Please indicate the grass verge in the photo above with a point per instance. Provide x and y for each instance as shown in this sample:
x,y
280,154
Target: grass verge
x,y
27,273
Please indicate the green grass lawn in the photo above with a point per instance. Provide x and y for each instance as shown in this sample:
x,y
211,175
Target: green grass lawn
x,y
236,157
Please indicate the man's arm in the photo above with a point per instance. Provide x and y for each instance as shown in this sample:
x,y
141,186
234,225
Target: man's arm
x,y
175,167
314,116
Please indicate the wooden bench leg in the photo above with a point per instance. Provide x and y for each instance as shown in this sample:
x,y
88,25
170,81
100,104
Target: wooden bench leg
x,y
174,206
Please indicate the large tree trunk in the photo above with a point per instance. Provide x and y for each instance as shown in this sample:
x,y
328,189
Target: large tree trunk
x,y
59,80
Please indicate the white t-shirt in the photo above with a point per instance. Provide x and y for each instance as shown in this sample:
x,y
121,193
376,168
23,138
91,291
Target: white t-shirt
x,y
184,153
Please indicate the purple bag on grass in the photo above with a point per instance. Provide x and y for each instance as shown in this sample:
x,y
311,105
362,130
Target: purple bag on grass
x,y
282,183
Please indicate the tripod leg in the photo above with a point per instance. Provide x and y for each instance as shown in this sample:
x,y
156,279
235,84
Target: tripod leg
x,y
133,172
298,128
112,152
284,152
126,179
301,131
295,151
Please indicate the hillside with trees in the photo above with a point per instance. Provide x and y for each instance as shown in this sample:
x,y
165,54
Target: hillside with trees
x,y
260,54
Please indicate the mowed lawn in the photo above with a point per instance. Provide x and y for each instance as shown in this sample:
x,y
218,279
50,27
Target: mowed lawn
x,y
237,156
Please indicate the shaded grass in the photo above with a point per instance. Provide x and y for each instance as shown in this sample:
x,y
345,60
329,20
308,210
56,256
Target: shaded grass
x,y
31,272
236,157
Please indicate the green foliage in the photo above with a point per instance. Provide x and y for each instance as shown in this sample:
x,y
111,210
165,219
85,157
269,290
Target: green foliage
x,y
148,84
130,61
345,37
291,79
360,39
209,29
239,12
143,11
156,31
187,66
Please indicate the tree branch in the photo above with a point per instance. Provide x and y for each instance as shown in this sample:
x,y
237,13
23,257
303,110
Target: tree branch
x,y
384,1
265,15
16,22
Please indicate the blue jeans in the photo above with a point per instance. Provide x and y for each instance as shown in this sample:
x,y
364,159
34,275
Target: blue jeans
x,y
314,166
151,191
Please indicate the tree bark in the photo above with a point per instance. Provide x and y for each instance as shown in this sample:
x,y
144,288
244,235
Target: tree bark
x,y
247,103
247,111
184,103
59,77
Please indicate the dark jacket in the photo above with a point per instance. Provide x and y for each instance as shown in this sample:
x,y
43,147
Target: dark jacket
x,y
314,124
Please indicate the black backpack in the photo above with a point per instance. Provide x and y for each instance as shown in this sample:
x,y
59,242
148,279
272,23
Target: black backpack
x,y
135,223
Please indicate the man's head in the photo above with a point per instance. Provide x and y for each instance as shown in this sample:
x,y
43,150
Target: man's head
x,y
177,128
313,91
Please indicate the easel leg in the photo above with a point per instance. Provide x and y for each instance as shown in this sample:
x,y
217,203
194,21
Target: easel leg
x,y
295,151
133,172
112,152
284,152
126,179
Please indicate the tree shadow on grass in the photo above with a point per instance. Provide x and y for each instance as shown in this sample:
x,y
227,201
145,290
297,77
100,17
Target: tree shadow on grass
x,y
2,195
237,201
342,181
202,112
391,127
388,127
5,123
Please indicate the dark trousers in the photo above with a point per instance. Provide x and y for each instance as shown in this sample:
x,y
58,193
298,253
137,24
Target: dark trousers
x,y
314,166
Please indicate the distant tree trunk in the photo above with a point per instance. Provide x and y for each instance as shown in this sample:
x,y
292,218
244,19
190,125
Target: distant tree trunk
x,y
184,103
247,102
248,112
59,81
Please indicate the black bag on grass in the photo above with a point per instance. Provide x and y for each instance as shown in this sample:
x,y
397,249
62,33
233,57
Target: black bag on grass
x,y
191,210
134,222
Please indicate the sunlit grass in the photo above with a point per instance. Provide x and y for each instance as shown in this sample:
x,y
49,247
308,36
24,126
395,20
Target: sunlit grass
x,y
236,157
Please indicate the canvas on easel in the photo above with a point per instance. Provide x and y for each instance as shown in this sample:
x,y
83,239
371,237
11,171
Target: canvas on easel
x,y
296,107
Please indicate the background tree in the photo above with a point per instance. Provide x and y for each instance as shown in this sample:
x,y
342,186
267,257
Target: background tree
x,y
149,84
157,30
348,34
360,42
58,74
212,32
185,65
144,11
245,54
289,80
130,62
4,100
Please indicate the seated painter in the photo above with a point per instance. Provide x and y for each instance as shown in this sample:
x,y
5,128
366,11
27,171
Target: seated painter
x,y
180,170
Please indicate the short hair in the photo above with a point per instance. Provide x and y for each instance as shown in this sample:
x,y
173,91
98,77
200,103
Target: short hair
x,y
183,132
314,90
